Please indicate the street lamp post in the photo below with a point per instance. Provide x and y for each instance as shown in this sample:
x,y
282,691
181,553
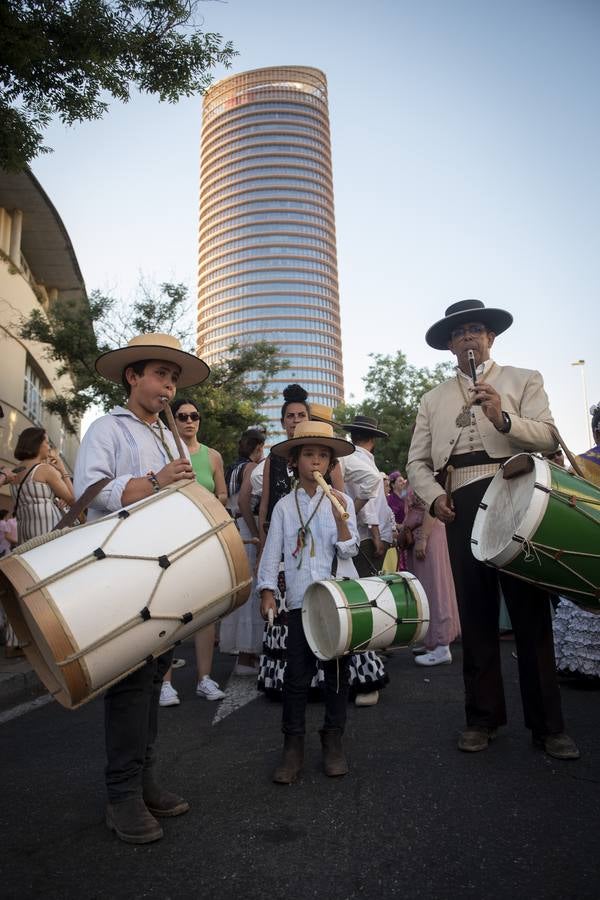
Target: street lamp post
x,y
588,427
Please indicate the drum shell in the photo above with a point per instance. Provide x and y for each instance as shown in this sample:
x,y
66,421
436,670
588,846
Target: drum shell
x,y
339,617
553,540
90,616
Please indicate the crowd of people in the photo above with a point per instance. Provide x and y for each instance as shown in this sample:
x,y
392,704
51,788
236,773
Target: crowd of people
x,y
295,533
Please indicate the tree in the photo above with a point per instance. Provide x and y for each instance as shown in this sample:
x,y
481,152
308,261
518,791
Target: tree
x,y
65,57
393,391
74,335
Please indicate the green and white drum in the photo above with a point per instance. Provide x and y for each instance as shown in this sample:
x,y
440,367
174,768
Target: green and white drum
x,y
358,614
542,524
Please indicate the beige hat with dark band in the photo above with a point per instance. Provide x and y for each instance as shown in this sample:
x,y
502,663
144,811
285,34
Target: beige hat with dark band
x,y
311,432
162,347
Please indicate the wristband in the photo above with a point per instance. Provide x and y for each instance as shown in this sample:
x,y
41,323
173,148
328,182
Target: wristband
x,y
506,424
154,482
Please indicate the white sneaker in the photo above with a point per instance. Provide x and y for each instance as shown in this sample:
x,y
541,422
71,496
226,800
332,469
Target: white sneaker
x,y
367,699
209,689
168,695
438,657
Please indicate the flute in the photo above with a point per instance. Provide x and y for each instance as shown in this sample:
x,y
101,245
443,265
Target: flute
x,y
173,426
334,500
471,358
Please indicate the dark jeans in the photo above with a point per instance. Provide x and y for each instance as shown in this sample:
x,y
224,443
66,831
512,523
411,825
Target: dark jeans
x,y
131,724
299,670
478,605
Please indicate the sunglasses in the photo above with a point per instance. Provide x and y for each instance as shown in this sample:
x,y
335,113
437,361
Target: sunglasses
x,y
475,328
188,417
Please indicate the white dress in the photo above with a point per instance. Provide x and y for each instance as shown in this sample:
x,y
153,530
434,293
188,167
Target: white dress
x,y
576,639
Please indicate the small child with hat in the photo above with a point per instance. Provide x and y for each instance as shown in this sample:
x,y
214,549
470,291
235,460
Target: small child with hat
x,y
309,532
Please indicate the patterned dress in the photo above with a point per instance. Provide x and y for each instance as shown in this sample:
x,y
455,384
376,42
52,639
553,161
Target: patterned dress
x,y
37,512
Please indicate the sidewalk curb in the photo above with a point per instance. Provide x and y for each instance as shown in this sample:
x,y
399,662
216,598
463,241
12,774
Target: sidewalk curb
x,y
19,686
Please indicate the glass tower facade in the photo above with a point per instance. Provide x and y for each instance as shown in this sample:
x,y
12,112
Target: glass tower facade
x,y
267,254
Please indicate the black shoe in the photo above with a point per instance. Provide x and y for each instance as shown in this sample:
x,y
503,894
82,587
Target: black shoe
x,y
475,738
334,759
293,758
132,822
559,746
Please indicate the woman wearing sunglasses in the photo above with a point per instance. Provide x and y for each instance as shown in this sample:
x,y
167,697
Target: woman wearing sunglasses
x,y
208,466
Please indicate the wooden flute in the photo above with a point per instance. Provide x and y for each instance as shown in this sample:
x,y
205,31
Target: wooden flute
x,y
334,500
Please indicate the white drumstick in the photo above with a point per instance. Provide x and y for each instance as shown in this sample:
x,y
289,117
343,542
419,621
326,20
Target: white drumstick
x,y
334,500
271,617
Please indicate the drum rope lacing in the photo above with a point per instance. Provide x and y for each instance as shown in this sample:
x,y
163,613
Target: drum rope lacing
x,y
534,549
397,620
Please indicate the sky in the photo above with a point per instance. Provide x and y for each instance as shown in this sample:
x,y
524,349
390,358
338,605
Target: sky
x,y
466,149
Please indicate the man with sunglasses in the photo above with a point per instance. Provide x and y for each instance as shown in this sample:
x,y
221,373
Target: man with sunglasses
x,y
474,422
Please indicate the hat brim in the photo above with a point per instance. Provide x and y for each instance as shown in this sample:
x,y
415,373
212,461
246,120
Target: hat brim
x,y
339,446
497,320
314,418
111,365
374,432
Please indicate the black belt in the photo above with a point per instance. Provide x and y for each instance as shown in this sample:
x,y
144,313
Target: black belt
x,y
477,458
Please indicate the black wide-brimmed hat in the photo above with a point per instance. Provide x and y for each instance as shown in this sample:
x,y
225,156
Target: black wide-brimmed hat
x,y
366,424
496,320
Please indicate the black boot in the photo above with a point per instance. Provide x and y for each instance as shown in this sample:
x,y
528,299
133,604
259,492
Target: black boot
x,y
334,760
292,759
132,823
162,803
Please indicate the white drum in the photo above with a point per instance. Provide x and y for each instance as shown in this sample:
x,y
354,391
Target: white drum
x,y
93,603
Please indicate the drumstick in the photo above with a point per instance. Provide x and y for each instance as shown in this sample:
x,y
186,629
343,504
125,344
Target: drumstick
x,y
173,427
334,500
449,471
271,617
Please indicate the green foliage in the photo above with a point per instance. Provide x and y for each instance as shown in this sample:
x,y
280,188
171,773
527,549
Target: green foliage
x,y
74,336
66,57
393,391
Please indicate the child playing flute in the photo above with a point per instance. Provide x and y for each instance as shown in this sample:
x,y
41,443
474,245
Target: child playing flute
x,y
309,531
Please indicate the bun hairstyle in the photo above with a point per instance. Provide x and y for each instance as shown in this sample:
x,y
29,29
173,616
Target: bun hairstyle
x,y
595,411
294,393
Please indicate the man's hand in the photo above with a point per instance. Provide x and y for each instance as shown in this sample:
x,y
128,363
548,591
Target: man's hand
x,y
442,510
421,549
175,471
491,402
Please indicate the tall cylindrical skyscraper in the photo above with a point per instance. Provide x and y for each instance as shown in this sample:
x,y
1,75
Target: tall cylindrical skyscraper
x,y
267,258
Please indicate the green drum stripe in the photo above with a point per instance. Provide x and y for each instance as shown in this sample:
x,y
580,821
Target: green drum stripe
x,y
406,607
361,630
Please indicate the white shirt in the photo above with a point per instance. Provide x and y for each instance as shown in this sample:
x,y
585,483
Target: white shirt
x,y
376,512
119,446
361,475
282,538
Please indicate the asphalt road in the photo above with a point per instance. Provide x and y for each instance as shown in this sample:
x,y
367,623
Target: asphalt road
x,y
414,819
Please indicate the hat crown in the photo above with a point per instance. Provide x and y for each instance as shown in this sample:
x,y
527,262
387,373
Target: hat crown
x,y
313,429
155,340
464,306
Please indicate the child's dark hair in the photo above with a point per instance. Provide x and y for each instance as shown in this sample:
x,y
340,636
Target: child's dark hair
x,y
294,393
295,455
138,368
29,443
250,440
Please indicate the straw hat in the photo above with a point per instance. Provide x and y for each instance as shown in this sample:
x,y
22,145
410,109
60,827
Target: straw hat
x,y
311,432
153,346
321,413
497,320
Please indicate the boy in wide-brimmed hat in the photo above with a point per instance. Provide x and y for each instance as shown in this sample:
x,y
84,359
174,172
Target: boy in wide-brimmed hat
x,y
309,532
474,422
131,446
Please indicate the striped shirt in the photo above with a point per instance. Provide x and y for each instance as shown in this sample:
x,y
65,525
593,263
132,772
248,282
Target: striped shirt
x,y
37,512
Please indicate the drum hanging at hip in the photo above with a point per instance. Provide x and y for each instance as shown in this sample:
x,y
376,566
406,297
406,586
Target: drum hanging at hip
x,y
93,603
538,522
358,614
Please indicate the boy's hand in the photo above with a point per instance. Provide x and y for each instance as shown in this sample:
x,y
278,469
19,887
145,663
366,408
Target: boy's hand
x,y
267,603
336,513
175,471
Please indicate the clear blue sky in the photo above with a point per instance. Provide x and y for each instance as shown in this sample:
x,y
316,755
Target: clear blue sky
x,y
466,148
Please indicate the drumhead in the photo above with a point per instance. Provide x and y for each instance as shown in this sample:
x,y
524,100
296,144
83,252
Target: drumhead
x,y
326,630
510,507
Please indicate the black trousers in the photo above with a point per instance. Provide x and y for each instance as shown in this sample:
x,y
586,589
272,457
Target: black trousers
x,y
131,725
299,671
479,604
366,563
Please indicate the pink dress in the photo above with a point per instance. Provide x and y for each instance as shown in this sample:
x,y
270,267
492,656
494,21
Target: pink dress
x,y
435,575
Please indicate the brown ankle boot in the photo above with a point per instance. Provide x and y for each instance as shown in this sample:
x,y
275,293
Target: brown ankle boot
x,y
162,803
132,823
334,760
292,759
